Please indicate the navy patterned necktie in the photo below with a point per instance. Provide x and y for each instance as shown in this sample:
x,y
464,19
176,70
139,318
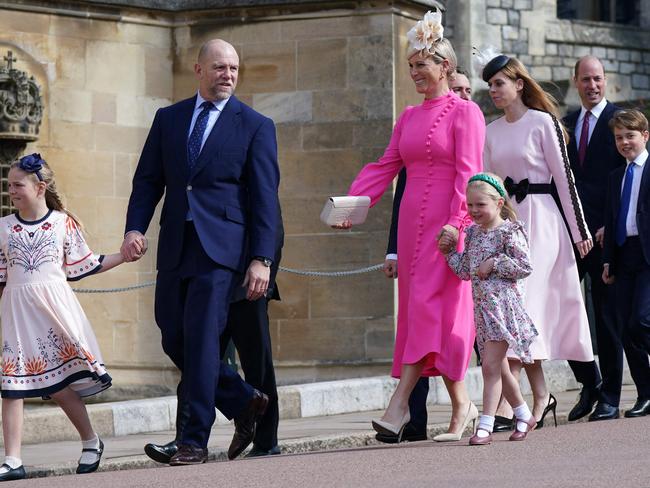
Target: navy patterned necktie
x,y
196,137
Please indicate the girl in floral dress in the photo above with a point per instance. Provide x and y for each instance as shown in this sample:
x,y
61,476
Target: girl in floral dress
x,y
496,260
49,349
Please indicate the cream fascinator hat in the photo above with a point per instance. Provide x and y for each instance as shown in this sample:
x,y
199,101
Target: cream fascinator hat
x,y
425,34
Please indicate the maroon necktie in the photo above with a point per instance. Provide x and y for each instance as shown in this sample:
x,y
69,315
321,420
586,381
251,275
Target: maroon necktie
x,y
584,139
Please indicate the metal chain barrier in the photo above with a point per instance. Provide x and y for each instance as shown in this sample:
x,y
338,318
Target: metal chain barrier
x,y
300,272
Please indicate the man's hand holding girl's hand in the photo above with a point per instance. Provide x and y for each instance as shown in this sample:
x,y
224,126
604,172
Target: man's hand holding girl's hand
x,y
134,246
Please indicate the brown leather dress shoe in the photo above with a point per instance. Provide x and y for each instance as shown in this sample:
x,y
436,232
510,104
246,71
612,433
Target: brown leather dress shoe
x,y
246,422
187,454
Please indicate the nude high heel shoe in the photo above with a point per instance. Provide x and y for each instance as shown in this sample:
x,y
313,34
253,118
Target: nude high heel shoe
x,y
386,428
471,416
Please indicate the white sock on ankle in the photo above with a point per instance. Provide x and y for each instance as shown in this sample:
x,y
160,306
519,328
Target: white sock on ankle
x,y
522,412
12,462
485,425
89,457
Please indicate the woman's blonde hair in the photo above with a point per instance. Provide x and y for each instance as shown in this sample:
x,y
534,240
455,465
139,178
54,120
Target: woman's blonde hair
x,y
533,95
440,51
53,199
494,191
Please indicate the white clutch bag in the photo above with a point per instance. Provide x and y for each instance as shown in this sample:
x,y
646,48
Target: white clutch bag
x,y
339,209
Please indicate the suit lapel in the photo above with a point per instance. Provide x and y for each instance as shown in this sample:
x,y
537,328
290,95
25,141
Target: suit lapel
x,y
645,183
227,124
181,130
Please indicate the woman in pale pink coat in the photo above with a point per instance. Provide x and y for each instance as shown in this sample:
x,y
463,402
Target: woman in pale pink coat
x,y
440,142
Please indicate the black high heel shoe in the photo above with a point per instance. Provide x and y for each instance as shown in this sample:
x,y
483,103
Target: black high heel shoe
x,y
551,406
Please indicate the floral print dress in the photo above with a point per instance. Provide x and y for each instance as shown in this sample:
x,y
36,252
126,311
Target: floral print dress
x,y
48,343
499,313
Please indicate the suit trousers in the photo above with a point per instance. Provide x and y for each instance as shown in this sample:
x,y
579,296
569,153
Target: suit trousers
x,y
633,307
191,306
248,327
418,405
609,338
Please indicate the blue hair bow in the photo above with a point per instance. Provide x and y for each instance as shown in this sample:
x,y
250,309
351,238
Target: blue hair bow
x,y
32,163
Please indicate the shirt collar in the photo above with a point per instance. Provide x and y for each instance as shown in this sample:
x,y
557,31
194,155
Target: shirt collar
x,y
641,158
596,111
218,105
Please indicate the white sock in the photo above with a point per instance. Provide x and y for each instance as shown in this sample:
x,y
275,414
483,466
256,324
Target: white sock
x,y
89,457
485,425
522,412
12,462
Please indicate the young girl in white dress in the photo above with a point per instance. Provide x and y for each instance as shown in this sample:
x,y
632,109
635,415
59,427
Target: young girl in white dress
x,y
496,259
49,349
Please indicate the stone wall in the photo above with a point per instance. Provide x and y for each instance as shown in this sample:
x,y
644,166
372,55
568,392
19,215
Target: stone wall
x,y
531,31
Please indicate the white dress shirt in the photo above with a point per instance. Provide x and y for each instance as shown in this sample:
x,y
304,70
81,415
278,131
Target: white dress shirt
x,y
593,119
630,223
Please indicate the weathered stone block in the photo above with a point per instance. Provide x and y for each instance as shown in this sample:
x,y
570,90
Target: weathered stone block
x,y
640,81
372,133
541,73
68,71
324,252
289,402
285,107
565,50
158,73
372,296
120,139
610,65
70,105
370,62
339,105
510,32
113,67
523,4
599,52
322,339
580,51
142,416
623,54
333,27
551,49
20,21
513,18
322,64
561,73
104,108
289,136
519,47
635,56
71,135
268,67
496,16
552,61
493,3
332,135
627,68
507,3
646,57
294,290
380,338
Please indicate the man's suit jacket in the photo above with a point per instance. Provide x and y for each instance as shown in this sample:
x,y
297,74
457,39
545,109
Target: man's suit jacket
x,y
601,159
232,190
611,250
397,200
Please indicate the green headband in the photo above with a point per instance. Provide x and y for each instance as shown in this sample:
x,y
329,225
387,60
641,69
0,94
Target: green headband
x,y
490,180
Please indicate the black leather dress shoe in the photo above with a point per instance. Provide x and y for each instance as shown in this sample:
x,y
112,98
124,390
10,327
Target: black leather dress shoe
x,y
258,452
503,424
410,434
161,453
188,454
586,401
640,409
246,422
604,411
13,473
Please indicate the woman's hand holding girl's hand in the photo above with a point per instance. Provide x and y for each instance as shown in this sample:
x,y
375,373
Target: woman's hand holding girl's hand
x,y
346,224
485,269
584,247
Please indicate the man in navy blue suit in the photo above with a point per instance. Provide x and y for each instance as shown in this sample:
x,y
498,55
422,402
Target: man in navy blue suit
x,y
593,156
215,160
626,253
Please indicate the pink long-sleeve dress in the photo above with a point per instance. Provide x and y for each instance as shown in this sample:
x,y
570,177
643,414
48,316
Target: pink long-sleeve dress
x,y
529,148
440,142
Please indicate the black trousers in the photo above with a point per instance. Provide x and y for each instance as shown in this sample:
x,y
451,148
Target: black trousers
x,y
608,334
248,327
418,405
633,306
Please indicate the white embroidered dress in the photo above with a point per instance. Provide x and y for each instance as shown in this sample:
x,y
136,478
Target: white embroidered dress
x,y
48,342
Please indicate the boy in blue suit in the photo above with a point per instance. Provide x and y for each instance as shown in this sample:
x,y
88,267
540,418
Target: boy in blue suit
x,y
626,252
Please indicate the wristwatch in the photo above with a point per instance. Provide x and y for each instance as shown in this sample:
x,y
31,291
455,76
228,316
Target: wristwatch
x,y
265,261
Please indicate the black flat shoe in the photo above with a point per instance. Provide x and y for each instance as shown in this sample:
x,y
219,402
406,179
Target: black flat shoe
x,y
503,424
90,468
604,411
161,453
13,473
640,409
551,406
258,452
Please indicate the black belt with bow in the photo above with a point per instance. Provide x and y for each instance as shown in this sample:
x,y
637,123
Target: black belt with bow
x,y
524,187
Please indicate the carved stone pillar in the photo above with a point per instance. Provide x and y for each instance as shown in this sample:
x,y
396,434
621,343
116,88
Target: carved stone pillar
x,y
21,112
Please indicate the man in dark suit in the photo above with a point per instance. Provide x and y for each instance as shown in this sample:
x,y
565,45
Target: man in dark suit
x,y
416,429
215,159
248,327
593,155
626,253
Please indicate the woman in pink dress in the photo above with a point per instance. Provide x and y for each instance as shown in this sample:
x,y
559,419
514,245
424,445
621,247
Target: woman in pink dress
x,y
440,143
526,147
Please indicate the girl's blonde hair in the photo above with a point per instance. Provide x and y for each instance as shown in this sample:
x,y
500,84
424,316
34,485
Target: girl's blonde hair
x,y
488,187
53,199
533,95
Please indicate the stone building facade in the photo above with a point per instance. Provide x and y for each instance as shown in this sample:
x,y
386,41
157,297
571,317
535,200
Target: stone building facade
x,y
333,76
